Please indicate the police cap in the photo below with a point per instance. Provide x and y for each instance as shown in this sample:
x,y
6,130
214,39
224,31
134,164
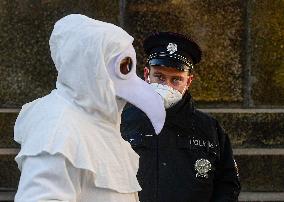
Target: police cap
x,y
172,50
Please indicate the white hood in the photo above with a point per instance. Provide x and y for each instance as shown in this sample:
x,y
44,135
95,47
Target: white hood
x,y
80,119
87,55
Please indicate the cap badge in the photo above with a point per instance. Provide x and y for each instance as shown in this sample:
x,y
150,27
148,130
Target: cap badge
x,y
202,166
172,47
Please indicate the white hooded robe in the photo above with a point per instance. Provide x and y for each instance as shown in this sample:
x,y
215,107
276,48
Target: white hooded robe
x,y
71,147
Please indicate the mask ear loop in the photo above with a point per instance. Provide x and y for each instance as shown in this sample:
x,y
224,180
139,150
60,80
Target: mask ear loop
x,y
148,79
185,89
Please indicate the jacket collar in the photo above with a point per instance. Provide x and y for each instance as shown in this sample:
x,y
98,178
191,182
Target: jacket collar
x,y
181,113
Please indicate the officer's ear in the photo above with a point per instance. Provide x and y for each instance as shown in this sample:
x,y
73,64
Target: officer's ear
x,y
189,79
147,74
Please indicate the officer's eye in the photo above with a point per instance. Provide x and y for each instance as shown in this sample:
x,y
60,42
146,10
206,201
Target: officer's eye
x,y
160,77
176,80
126,65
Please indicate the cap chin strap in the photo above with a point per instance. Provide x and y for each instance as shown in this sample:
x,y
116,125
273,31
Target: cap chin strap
x,y
185,89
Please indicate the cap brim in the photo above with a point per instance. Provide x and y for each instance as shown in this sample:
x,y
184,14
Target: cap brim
x,y
166,62
139,93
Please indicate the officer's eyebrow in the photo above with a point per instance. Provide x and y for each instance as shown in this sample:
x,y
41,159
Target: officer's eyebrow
x,y
158,73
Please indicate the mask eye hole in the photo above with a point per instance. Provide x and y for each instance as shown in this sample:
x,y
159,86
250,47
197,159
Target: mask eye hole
x,y
126,65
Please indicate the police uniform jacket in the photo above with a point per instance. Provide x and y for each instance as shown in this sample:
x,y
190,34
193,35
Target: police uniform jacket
x,y
190,160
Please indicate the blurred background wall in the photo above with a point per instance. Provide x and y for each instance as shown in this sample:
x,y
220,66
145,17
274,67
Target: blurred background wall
x,y
240,80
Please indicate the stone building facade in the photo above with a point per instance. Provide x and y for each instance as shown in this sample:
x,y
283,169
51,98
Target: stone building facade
x,y
240,79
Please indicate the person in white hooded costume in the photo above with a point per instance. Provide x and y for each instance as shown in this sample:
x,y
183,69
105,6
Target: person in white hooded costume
x,y
71,146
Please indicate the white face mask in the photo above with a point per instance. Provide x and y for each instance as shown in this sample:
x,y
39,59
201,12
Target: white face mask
x,y
169,95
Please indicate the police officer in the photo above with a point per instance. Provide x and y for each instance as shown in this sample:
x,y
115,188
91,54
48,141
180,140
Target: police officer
x,y
191,159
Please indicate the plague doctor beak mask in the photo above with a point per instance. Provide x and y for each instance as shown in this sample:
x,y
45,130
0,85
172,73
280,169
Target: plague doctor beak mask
x,y
92,74
80,119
